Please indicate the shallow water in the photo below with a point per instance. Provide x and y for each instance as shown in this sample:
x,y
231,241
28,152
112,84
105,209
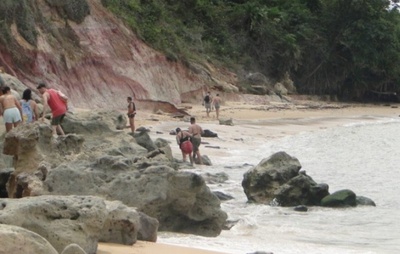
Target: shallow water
x,y
363,157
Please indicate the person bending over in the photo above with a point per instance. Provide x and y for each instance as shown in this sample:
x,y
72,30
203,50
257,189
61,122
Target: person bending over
x,y
183,140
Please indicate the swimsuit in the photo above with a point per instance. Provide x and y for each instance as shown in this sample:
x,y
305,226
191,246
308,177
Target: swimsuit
x,y
11,115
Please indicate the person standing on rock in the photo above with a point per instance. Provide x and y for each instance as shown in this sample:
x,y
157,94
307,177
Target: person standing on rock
x,y
57,102
10,109
216,102
183,140
196,132
131,113
30,112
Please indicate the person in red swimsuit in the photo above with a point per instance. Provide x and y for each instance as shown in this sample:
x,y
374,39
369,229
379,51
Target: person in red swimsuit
x,y
57,102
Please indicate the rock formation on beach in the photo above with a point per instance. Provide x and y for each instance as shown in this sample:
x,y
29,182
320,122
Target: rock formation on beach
x,y
99,160
277,180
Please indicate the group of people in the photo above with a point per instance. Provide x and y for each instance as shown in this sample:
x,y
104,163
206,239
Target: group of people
x,y
26,110
210,102
189,141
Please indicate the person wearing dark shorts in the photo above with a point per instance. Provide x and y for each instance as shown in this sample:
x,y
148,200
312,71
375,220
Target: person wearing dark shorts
x,y
57,102
196,132
57,120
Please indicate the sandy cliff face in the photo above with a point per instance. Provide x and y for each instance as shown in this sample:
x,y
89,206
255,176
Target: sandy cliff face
x,y
99,62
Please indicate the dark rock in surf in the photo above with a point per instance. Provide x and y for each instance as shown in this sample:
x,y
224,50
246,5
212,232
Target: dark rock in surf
x,y
342,198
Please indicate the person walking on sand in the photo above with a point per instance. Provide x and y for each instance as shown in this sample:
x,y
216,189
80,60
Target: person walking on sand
x,y
207,103
183,140
10,109
131,113
196,132
57,102
216,102
30,112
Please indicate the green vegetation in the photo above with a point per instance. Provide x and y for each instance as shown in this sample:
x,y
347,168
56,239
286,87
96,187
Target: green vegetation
x,y
337,47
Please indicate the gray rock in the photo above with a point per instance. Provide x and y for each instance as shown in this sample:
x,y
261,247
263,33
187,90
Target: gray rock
x,y
220,177
144,140
228,121
55,218
262,181
16,239
360,200
222,196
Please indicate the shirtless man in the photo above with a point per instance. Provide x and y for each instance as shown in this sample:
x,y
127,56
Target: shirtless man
x,y
196,132
10,109
57,102
216,102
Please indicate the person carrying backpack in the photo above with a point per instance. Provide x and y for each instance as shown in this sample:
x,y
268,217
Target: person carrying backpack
x,y
30,112
207,103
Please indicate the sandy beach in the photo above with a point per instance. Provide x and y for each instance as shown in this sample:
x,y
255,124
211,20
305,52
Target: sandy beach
x,y
253,120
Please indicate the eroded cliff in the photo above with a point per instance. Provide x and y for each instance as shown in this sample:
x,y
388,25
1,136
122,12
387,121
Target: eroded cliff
x,y
82,49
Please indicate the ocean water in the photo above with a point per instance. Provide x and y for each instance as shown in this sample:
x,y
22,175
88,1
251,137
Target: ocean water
x,y
363,157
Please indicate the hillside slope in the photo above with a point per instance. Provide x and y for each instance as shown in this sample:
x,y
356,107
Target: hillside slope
x,y
96,59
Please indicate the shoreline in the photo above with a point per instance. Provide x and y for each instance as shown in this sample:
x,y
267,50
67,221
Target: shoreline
x,y
263,125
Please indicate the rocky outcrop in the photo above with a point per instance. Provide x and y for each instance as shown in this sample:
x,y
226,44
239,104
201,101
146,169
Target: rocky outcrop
x,y
111,164
83,220
277,180
85,51
261,182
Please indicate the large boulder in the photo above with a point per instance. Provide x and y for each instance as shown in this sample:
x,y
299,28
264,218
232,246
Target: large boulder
x,y
31,145
262,181
181,201
82,220
278,179
16,239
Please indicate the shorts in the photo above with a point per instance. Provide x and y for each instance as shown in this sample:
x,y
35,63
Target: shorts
x,y
216,106
57,119
196,143
207,105
132,115
11,115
